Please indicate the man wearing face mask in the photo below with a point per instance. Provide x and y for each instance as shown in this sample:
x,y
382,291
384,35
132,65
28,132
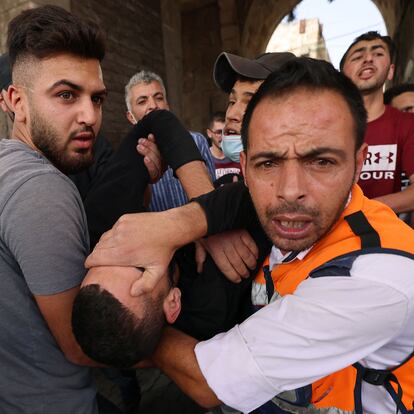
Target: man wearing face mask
x,y
240,77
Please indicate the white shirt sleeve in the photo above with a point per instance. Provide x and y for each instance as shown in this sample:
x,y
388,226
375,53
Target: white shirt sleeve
x,y
328,324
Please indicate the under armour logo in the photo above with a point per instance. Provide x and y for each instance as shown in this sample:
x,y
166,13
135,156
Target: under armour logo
x,y
379,157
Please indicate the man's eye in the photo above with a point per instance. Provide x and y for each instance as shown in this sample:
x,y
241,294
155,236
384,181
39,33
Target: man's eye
x,y
322,162
66,95
230,103
355,58
267,165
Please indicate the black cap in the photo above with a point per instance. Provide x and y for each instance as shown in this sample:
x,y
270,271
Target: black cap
x,y
5,72
229,66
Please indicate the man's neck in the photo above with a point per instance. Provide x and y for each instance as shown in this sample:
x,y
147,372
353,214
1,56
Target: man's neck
x,y
21,133
217,152
374,105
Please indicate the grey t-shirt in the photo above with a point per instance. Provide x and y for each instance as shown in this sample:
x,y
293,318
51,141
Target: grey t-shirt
x,y
43,245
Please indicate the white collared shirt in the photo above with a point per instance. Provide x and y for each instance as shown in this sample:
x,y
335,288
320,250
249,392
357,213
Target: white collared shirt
x,y
327,324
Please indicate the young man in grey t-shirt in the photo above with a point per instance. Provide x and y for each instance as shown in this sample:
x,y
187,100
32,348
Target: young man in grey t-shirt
x,y
43,229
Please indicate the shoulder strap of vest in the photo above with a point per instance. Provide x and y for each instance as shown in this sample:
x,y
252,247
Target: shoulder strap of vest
x,y
379,377
362,228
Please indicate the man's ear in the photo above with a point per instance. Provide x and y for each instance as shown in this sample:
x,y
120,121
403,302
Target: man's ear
x,y
172,305
130,118
359,159
17,99
391,71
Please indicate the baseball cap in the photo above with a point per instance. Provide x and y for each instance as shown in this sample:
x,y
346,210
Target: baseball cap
x,y
5,72
229,66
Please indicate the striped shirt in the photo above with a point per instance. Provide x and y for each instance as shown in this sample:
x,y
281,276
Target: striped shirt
x,y
167,192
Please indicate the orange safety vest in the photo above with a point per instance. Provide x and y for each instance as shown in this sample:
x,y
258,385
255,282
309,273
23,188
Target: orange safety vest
x,y
366,226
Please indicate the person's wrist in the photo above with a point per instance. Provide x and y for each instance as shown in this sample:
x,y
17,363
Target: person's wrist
x,y
189,223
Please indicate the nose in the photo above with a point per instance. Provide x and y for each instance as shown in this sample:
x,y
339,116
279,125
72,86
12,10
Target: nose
x,y
152,104
89,112
368,56
235,112
292,182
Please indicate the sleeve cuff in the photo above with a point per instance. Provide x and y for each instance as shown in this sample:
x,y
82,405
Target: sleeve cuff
x,y
232,373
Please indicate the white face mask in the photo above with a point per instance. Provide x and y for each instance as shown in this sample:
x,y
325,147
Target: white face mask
x,y
232,145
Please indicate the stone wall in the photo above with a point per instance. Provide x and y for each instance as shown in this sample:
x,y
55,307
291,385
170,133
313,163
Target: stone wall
x,y
201,46
403,38
134,41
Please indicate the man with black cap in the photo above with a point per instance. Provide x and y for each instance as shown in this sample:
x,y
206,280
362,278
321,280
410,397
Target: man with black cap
x,y
240,77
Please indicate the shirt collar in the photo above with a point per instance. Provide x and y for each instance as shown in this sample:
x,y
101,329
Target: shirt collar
x,y
277,257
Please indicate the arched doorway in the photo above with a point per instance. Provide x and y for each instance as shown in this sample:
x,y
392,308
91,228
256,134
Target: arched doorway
x,y
262,17
324,29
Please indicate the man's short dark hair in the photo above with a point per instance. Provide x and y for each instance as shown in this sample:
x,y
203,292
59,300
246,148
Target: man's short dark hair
x,y
368,36
108,332
47,30
218,116
309,74
393,92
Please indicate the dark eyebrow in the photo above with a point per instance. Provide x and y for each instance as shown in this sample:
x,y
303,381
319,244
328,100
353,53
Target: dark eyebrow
x,y
65,82
324,151
362,49
76,87
247,93
307,155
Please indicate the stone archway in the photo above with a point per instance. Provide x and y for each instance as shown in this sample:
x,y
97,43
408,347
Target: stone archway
x,y
398,16
244,27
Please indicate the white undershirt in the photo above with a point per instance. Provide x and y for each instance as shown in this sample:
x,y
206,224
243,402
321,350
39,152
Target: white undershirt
x,y
327,324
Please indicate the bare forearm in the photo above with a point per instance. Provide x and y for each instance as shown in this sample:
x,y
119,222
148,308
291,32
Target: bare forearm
x,y
401,202
175,356
194,178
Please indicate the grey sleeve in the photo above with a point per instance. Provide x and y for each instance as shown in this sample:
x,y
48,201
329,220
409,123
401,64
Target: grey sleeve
x,y
44,226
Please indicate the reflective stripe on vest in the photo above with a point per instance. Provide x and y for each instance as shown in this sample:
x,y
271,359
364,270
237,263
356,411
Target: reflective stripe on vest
x,y
366,226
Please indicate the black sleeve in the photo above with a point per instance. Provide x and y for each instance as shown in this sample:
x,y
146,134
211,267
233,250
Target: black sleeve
x,y
210,302
229,207
119,188
175,143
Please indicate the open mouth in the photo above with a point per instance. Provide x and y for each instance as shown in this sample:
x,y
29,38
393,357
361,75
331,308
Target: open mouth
x,y
230,131
83,140
292,228
366,73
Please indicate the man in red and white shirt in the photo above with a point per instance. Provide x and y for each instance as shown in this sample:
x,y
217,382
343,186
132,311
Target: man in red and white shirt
x,y
390,133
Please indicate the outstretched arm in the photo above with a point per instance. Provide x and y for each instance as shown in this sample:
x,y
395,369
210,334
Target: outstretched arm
x,y
149,240
120,188
402,201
